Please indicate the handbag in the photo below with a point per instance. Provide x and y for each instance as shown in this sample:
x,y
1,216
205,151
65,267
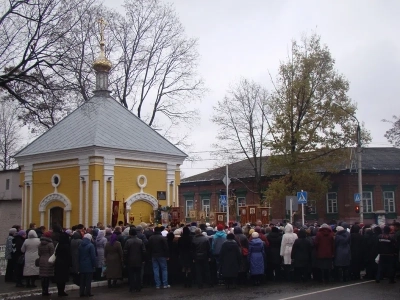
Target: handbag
x,y
52,258
21,260
244,250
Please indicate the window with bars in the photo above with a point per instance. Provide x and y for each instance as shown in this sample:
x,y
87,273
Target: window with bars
x,y
331,203
241,201
388,200
189,207
367,202
206,206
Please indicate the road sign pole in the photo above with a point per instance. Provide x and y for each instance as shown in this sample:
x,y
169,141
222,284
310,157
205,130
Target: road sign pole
x,y
302,213
359,169
291,210
227,197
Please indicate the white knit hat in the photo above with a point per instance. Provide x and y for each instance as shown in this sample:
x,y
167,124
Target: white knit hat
x,y
87,236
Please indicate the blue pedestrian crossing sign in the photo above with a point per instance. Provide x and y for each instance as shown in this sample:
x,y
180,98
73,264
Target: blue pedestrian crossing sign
x,y
222,200
302,197
357,198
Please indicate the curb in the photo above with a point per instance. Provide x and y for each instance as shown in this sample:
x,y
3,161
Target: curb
x,y
38,292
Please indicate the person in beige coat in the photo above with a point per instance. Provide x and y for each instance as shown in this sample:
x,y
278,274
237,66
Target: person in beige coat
x,y
30,248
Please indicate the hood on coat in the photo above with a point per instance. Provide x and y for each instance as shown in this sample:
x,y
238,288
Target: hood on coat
x,y
32,234
325,231
255,241
288,228
219,234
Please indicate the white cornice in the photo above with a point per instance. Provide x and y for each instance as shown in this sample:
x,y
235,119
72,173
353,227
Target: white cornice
x,y
56,165
140,164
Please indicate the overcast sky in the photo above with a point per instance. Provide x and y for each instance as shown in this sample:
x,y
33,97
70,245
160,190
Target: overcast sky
x,y
248,39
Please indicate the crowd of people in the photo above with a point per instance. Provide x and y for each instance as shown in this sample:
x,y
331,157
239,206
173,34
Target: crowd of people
x,y
199,254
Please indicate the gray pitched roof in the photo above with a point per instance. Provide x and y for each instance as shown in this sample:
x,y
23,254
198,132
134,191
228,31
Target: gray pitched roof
x,y
373,159
102,122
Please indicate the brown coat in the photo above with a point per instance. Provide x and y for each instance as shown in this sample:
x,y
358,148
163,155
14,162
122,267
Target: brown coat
x,y
114,260
45,250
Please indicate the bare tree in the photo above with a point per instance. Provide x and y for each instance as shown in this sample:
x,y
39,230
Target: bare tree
x,y
241,117
30,32
9,134
157,67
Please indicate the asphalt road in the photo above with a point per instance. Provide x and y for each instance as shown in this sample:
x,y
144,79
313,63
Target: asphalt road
x,y
310,291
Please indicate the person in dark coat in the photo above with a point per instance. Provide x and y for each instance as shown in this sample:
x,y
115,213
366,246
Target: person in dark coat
x,y
256,258
357,252
185,256
231,260
343,254
17,243
371,252
301,256
63,259
87,265
173,262
387,256
201,254
243,243
8,256
46,269
274,258
325,249
134,257
113,256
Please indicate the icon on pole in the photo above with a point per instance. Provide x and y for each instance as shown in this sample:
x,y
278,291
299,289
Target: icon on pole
x,y
302,197
357,198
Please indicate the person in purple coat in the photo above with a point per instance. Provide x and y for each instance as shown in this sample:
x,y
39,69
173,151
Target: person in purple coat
x,y
256,258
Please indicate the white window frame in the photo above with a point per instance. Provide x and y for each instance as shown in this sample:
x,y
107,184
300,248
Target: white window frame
x,y
206,207
186,207
313,204
331,203
240,202
222,208
368,202
389,202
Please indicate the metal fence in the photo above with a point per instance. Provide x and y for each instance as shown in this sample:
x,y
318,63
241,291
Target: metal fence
x,y
3,262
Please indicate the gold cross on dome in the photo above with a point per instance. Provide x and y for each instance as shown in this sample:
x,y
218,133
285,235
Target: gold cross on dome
x,y
102,26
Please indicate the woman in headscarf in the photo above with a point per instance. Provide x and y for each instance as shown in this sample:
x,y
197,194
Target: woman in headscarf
x,y
7,255
101,242
46,269
114,260
30,248
256,258
325,250
231,259
63,259
17,254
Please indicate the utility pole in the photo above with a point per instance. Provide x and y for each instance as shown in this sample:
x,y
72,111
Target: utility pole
x,y
359,171
227,196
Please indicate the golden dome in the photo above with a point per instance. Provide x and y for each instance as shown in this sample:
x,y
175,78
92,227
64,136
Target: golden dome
x,y
102,64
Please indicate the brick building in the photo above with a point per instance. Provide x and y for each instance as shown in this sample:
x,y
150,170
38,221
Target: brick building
x,y
380,179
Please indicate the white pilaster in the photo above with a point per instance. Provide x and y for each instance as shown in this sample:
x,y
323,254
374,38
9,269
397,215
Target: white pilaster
x,y
170,178
95,201
68,219
41,218
109,163
30,201
84,195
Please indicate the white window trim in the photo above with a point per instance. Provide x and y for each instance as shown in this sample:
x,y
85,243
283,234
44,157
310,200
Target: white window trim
x,y
206,208
392,198
186,207
327,203
372,202
238,207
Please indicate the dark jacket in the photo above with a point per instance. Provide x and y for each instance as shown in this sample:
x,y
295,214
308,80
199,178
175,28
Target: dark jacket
x,y
17,243
230,259
87,257
387,245
274,249
75,242
200,247
45,250
142,237
157,246
134,252
324,243
301,251
63,257
185,251
342,249
357,248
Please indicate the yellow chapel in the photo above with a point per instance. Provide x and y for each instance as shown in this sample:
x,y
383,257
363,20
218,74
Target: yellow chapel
x,y
100,163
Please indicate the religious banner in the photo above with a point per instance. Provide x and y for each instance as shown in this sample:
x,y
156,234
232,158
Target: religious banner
x,y
264,211
115,213
164,218
220,218
211,216
252,214
175,214
193,215
243,215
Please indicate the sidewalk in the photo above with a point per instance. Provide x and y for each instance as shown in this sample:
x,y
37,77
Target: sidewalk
x,y
8,290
